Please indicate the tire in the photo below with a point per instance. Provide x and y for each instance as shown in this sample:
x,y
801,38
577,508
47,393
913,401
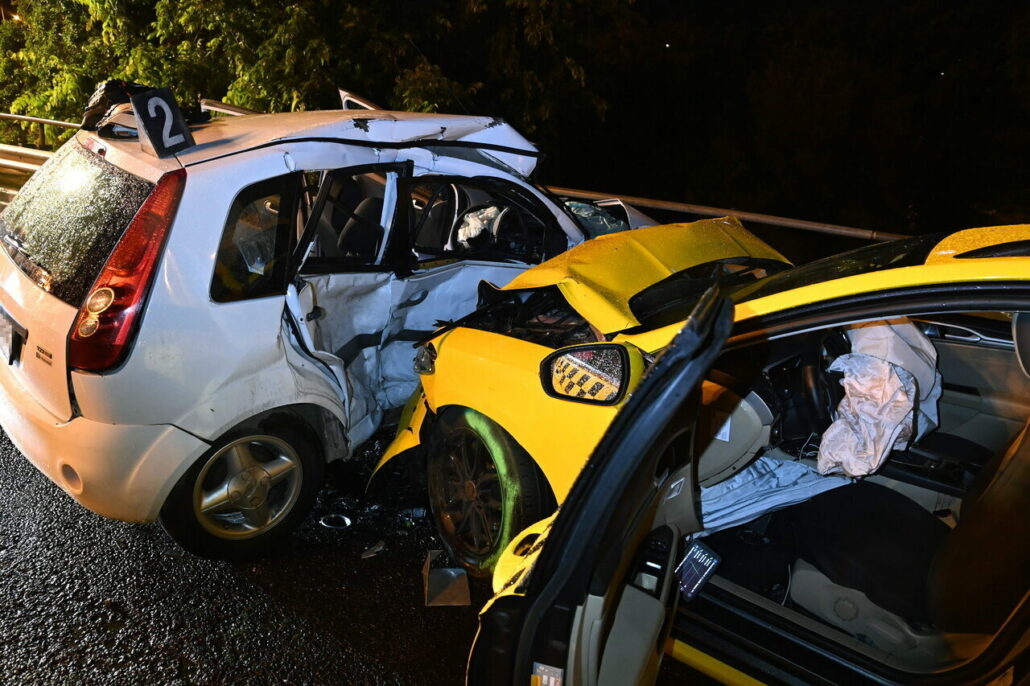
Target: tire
x,y
258,482
483,488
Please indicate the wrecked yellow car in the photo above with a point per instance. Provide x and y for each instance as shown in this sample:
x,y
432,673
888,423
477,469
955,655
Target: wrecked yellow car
x,y
913,570
501,448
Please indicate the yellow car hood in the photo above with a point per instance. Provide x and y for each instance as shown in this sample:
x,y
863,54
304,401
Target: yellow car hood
x,y
599,276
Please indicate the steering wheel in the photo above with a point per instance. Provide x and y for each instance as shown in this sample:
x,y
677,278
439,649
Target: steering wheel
x,y
493,232
821,391
490,230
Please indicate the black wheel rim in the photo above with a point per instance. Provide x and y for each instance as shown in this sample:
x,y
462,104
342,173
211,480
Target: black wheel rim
x,y
467,498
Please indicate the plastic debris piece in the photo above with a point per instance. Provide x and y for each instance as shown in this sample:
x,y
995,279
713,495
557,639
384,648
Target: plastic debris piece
x,y
373,550
335,521
444,586
415,512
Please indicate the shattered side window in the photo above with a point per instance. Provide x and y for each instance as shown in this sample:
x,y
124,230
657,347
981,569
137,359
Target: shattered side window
x,y
594,220
542,316
480,218
255,246
65,222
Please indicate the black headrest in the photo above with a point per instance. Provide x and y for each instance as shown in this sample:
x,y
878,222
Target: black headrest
x,y
362,232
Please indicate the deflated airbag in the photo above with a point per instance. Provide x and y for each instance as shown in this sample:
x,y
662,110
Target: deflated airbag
x,y
891,387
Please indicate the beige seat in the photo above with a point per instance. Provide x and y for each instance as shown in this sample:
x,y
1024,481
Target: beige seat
x,y
883,569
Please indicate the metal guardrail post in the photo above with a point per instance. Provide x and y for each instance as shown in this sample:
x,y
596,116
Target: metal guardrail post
x,y
220,107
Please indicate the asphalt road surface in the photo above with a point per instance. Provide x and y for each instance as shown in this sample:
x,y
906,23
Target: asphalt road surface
x,y
88,600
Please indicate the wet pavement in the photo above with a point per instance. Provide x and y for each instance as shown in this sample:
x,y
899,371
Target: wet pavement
x,y
84,599
89,600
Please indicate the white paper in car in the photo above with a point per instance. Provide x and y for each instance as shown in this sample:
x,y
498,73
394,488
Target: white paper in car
x,y
891,386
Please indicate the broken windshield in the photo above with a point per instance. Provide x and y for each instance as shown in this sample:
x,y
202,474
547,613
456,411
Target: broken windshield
x,y
670,300
673,298
63,224
907,252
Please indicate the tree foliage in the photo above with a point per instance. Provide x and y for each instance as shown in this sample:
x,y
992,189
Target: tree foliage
x,y
268,55
899,117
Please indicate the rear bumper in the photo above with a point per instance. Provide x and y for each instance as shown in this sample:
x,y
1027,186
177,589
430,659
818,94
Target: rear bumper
x,y
121,471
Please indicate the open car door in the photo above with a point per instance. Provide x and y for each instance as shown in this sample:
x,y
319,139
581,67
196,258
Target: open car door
x,y
596,607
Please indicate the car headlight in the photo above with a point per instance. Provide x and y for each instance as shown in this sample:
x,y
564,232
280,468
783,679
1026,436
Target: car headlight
x,y
425,359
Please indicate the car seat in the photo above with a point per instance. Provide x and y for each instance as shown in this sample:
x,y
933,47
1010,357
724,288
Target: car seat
x,y
877,565
362,233
435,229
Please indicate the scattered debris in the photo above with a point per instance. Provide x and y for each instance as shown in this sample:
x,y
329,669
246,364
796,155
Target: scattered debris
x,y
335,521
444,586
373,550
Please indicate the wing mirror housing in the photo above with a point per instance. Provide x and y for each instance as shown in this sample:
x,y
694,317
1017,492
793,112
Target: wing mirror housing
x,y
1021,339
595,373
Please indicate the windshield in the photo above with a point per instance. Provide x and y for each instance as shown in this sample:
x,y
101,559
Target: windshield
x,y
63,224
673,298
907,252
595,221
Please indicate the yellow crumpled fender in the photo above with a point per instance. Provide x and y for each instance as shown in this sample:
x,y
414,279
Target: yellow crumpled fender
x,y
409,429
513,567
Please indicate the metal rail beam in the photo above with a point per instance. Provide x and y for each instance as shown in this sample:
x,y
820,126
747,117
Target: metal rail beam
x,y
220,107
705,211
28,159
38,120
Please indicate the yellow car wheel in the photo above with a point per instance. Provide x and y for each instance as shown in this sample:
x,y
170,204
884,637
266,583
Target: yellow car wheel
x,y
483,488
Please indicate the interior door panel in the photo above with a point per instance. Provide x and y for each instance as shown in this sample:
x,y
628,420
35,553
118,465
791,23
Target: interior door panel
x,y
986,396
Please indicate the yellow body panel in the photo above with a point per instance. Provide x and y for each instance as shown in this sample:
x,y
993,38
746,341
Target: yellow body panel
x,y
500,377
950,271
708,665
510,566
598,277
963,241
409,428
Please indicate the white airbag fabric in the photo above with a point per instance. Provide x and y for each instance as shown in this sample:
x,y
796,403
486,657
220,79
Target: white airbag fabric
x,y
766,485
891,386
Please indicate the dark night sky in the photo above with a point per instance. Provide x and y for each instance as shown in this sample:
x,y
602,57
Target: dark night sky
x,y
902,117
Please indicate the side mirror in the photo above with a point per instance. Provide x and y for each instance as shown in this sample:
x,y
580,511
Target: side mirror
x,y
1021,339
593,373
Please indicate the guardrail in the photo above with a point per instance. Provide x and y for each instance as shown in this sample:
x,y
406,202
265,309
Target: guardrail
x,y
705,211
18,163
28,160
220,107
38,120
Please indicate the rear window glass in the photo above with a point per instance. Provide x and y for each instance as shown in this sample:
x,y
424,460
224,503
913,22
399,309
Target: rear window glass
x,y
63,224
